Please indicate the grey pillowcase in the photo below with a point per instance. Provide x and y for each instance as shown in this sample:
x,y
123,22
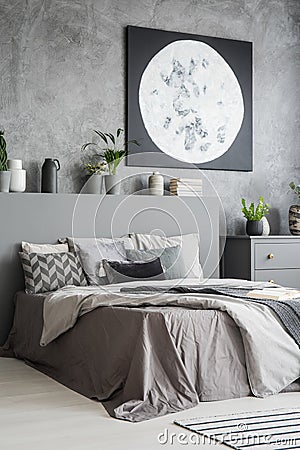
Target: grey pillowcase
x,y
92,252
170,257
122,272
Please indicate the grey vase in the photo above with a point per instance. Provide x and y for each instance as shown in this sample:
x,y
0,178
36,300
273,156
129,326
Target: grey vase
x,y
112,184
93,184
294,220
5,180
254,227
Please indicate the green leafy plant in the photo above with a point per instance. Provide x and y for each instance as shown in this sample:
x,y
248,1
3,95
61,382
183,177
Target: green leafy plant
x,y
295,188
3,153
257,213
114,150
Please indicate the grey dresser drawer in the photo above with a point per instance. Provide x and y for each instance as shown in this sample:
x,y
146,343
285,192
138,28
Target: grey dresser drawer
x,y
285,277
247,258
285,256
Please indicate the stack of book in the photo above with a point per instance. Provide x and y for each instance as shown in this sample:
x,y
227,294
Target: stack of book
x,y
186,187
274,293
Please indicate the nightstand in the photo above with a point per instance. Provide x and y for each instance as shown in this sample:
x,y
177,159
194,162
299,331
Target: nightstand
x,y
263,258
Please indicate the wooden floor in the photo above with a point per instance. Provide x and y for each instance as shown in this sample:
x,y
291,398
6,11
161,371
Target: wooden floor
x,y
38,413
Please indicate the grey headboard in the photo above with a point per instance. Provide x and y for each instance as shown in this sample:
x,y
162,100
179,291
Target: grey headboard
x,y
46,217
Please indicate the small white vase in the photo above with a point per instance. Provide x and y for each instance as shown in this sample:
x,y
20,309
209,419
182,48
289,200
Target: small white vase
x,y
18,175
4,180
266,227
112,184
156,184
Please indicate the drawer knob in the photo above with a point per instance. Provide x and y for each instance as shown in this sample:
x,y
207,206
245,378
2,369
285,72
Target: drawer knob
x,y
271,281
270,256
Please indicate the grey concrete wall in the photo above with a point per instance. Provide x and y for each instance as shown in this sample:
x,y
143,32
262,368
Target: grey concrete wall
x,y
62,65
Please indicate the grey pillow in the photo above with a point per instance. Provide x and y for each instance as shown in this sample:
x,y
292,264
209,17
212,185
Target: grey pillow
x,y
189,244
126,271
93,251
170,257
51,271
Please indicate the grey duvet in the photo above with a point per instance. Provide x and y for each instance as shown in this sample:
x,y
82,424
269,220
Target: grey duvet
x,y
148,356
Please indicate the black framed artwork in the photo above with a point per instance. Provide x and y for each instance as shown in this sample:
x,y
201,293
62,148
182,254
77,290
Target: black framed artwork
x,y
189,100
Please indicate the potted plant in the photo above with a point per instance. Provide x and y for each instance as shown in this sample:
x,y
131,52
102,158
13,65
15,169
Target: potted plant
x,y
111,154
5,174
254,216
294,211
95,171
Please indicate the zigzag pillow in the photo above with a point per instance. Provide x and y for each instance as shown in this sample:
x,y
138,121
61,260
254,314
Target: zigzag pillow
x,y
49,272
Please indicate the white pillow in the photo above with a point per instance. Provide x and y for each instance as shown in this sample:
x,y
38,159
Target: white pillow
x,y
189,244
29,247
92,251
128,244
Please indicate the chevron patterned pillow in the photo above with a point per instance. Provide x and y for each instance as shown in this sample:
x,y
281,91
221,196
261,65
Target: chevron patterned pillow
x,y
49,272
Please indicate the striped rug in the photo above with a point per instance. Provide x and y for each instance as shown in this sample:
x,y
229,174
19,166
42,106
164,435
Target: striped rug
x,y
278,429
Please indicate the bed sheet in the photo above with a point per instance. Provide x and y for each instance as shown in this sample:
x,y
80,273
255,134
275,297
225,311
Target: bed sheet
x,y
190,356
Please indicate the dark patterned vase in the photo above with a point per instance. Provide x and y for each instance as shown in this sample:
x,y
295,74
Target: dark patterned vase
x,y
294,220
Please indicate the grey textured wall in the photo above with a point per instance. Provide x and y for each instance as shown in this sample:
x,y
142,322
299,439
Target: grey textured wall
x,y
62,66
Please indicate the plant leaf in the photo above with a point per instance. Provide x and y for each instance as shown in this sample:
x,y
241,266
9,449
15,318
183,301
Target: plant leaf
x,y
111,137
87,145
102,135
3,153
133,141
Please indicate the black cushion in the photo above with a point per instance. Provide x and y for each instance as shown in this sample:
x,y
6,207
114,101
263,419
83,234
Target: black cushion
x,y
125,271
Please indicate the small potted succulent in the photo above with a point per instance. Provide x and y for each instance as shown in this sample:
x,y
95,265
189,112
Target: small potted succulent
x,y
5,174
294,211
254,216
111,155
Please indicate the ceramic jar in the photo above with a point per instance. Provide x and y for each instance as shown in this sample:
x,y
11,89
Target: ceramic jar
x,y
18,175
156,184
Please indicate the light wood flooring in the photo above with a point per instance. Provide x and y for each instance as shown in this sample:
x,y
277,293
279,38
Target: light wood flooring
x,y
38,413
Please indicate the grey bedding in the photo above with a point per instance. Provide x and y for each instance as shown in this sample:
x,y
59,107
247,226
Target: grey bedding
x,y
288,311
139,360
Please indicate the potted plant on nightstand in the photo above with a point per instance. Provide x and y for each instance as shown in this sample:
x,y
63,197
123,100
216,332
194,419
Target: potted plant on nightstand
x,y
254,216
5,174
294,211
112,154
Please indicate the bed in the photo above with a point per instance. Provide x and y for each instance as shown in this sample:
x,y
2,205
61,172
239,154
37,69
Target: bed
x,y
144,350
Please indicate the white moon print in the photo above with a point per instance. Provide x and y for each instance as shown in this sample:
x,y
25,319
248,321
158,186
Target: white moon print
x,y
191,102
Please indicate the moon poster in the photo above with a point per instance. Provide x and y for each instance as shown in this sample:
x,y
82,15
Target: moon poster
x,y
189,100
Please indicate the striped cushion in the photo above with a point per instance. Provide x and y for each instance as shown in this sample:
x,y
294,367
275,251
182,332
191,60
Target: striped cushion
x,y
49,272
